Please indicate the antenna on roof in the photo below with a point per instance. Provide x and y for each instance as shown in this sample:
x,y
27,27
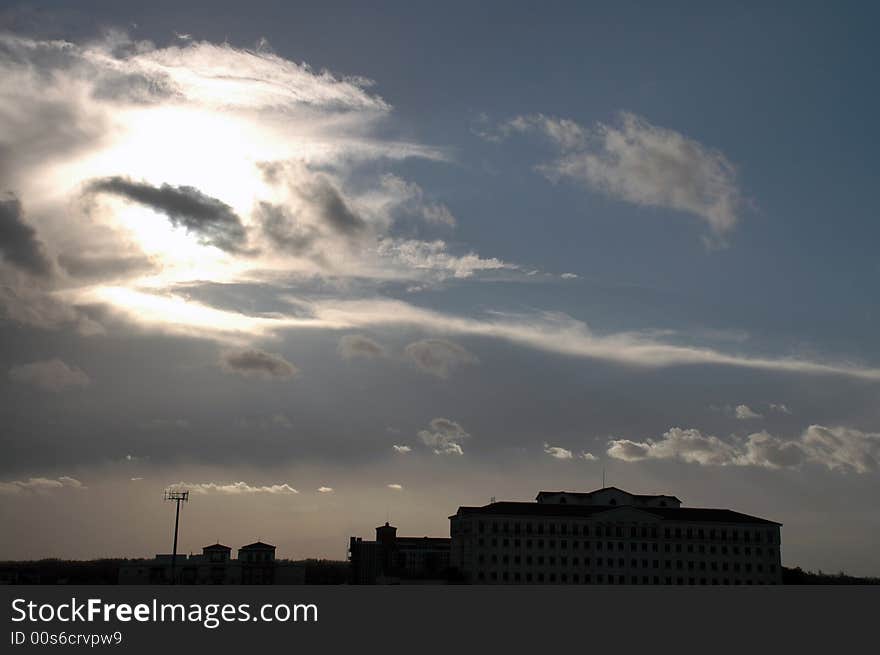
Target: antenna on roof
x,y
603,477
492,499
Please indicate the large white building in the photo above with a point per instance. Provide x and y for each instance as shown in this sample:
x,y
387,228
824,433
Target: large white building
x,y
610,536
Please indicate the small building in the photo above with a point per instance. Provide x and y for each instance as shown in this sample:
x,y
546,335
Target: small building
x,y
256,564
398,560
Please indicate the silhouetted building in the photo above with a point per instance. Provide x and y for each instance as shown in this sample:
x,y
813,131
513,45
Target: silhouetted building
x,y
610,536
257,561
256,564
398,560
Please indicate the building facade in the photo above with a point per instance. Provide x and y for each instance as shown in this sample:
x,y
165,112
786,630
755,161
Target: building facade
x,y
398,560
256,564
610,536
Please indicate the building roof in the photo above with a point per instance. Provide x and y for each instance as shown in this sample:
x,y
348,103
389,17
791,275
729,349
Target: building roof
x,y
586,494
439,541
217,546
257,545
686,514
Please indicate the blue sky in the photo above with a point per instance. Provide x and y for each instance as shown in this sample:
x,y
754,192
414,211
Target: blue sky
x,y
525,241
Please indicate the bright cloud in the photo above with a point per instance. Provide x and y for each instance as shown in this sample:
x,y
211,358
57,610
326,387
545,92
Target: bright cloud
x,y
198,161
444,437
235,488
838,448
744,413
557,452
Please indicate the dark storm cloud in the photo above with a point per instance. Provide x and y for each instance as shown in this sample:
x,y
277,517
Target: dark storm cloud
x,y
19,244
283,230
257,363
104,266
210,218
332,209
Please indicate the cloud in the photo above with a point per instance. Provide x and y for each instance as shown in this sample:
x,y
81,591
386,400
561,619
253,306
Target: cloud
x,y
211,219
644,164
105,266
843,448
589,457
779,407
258,364
51,375
265,169
744,413
438,356
331,208
403,450
325,490
444,437
395,487
39,485
19,244
557,452
686,445
355,345
569,276
836,448
234,488
556,333
409,198
432,257
565,133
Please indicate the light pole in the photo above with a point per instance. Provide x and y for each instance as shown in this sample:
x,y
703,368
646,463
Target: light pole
x,y
175,496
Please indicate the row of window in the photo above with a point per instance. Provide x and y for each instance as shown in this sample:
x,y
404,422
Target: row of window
x,y
588,578
645,532
620,563
644,546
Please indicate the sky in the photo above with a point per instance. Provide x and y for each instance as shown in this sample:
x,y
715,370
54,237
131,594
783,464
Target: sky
x,y
328,265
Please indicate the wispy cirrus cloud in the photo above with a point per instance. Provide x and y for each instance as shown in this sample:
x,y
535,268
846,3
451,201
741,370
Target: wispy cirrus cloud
x,y
639,162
